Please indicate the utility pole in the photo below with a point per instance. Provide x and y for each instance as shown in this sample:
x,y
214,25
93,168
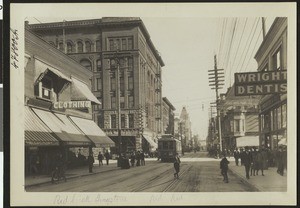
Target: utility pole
x,y
263,27
180,128
216,80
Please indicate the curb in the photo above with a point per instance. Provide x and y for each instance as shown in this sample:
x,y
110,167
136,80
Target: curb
x,y
71,177
244,180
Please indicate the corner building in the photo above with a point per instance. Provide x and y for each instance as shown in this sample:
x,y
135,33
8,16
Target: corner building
x,y
272,56
102,45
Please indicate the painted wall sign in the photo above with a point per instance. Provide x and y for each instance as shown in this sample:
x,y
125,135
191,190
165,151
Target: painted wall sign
x,y
260,83
72,104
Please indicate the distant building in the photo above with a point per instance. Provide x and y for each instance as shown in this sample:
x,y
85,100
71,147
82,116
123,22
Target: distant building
x,y
272,56
185,129
168,116
103,46
239,120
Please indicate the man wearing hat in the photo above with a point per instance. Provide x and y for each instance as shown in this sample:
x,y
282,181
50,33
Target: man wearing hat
x,y
247,161
224,168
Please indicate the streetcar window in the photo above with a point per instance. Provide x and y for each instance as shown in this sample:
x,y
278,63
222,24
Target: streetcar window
x,y
165,145
171,145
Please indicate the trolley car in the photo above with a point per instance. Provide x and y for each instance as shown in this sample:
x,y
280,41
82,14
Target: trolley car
x,y
168,146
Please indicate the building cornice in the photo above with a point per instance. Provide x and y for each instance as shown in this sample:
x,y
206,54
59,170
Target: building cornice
x,y
104,22
274,29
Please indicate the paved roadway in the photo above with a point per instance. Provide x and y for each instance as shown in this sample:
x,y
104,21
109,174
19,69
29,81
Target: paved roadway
x,y
196,175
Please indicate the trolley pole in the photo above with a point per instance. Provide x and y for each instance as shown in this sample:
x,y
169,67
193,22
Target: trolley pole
x,y
216,80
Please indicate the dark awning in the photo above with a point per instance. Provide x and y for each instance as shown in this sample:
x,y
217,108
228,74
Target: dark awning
x,y
36,132
93,132
61,126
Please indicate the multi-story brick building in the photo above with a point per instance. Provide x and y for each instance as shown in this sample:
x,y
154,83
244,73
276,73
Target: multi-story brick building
x,y
272,56
105,46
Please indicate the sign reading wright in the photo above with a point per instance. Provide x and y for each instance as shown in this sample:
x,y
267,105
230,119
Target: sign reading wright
x,y
260,83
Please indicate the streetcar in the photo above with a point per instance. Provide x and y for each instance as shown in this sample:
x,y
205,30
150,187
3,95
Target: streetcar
x,y
168,146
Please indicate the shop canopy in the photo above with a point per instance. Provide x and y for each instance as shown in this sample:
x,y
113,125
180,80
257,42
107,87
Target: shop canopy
x,y
36,132
42,69
80,89
150,141
93,132
250,141
61,126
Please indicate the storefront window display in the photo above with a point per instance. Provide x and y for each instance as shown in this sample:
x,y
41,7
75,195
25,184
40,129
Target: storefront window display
x,y
284,117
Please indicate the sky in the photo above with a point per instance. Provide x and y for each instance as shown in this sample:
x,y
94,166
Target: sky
x,y
187,46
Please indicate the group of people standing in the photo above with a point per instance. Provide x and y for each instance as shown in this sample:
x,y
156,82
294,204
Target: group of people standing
x,y
137,159
260,159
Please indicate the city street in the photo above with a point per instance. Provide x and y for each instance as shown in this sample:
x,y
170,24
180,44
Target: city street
x,y
196,175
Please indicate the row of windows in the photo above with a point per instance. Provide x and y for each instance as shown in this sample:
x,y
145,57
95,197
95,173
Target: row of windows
x,y
124,43
79,46
113,121
276,62
122,102
275,119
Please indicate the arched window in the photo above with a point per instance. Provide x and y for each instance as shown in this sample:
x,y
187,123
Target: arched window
x,y
86,63
69,47
88,47
98,45
79,47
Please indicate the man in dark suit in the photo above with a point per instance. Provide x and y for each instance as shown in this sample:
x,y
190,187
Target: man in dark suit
x,y
247,161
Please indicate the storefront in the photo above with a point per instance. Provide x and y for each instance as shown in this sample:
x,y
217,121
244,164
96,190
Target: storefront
x,y
273,122
58,110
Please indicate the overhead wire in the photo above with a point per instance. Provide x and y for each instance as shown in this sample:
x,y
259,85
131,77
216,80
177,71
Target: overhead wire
x,y
246,45
248,48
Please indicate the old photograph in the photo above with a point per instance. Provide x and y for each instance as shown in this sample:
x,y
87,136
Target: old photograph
x,y
166,107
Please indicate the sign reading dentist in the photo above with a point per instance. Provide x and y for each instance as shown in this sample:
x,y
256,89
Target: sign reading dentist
x,y
72,104
260,83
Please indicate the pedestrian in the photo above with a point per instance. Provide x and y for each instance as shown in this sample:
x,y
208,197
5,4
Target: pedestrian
x,y
247,160
91,161
106,155
132,159
142,156
138,158
264,158
236,156
259,162
176,166
253,166
224,168
280,161
242,154
100,158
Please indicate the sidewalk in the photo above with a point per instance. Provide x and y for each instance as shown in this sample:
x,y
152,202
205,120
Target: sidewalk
x,y
77,172
73,173
271,182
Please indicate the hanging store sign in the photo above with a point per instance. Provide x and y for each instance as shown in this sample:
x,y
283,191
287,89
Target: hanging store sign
x,y
260,83
72,104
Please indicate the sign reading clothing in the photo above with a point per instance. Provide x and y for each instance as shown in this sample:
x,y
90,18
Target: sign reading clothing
x,y
260,83
72,104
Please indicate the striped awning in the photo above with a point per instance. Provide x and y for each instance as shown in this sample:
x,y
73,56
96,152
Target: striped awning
x,y
80,89
150,141
36,132
93,132
61,126
42,68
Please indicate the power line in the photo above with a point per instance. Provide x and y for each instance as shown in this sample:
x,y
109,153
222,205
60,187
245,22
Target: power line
x,y
223,36
250,44
238,45
246,44
253,48
229,51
